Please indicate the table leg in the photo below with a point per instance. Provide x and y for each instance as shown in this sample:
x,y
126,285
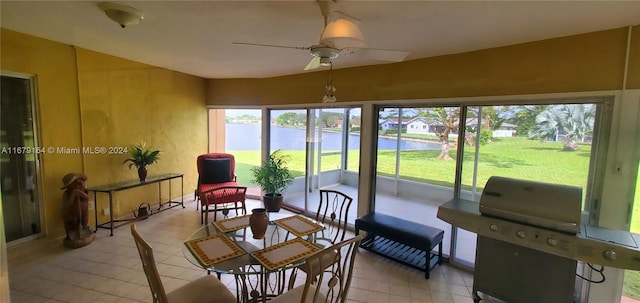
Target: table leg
x,y
95,209
182,192
160,194
111,212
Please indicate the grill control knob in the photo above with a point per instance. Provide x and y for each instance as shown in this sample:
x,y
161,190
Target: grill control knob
x,y
609,255
494,227
521,234
552,241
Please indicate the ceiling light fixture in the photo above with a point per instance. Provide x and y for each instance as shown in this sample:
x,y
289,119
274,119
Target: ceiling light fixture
x,y
342,30
121,14
328,96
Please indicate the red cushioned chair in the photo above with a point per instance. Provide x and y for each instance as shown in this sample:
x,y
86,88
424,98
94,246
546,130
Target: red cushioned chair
x,y
217,186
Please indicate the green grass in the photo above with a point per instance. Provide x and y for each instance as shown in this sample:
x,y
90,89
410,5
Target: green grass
x,y
515,157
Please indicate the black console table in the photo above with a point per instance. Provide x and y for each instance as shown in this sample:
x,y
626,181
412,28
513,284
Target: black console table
x,y
119,186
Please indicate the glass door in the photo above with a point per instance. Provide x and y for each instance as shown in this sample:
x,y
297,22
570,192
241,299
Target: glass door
x,y
21,203
546,142
317,142
331,140
288,134
416,163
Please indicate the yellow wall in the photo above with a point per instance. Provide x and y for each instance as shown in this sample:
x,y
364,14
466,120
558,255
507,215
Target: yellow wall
x,y
588,62
123,103
104,101
55,68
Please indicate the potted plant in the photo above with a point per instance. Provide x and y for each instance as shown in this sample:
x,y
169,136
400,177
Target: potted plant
x,y
273,177
141,157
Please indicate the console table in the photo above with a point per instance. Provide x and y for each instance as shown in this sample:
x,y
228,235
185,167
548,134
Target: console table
x,y
119,186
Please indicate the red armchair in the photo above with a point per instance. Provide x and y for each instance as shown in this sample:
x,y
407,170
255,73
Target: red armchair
x,y
217,186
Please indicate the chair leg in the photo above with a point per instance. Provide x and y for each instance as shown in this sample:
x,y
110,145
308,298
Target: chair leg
x,y
206,214
195,197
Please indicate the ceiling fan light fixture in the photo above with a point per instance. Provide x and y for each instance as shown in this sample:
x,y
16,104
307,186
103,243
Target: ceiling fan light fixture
x,y
342,32
325,52
324,61
121,14
329,97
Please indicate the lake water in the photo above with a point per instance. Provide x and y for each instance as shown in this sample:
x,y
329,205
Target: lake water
x,y
248,137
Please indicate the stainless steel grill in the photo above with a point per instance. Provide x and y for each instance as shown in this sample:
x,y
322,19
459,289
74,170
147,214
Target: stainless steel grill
x,y
530,237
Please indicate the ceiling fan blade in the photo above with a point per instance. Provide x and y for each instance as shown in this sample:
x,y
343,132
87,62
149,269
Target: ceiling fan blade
x,y
379,54
314,63
271,45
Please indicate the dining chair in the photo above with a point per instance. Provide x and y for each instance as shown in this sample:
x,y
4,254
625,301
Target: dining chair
x,y
205,289
217,186
333,210
222,199
334,265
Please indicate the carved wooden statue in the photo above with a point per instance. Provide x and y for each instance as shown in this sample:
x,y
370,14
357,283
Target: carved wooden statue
x,y
75,211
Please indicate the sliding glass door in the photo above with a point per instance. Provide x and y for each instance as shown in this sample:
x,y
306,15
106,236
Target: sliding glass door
x,y
429,155
21,200
416,165
320,151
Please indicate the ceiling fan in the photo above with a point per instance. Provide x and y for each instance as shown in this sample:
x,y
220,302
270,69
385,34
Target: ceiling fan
x,y
340,36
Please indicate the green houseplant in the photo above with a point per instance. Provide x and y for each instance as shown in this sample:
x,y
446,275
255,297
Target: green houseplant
x,y
273,177
140,158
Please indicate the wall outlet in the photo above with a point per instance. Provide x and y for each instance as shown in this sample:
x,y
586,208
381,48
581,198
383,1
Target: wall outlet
x,y
91,205
106,211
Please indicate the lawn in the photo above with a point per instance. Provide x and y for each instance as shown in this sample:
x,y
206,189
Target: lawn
x,y
515,157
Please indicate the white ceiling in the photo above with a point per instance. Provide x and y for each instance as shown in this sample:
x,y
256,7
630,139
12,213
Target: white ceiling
x,y
195,37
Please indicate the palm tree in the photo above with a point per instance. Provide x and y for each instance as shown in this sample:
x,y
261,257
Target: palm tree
x,y
573,121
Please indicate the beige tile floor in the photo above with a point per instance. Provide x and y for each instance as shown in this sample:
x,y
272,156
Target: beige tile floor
x,y
109,269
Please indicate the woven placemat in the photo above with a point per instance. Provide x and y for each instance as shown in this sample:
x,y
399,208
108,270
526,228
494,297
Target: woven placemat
x,y
299,225
213,249
285,253
232,224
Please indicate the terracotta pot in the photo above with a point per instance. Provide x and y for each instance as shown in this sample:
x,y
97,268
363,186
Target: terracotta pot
x,y
272,202
258,222
142,173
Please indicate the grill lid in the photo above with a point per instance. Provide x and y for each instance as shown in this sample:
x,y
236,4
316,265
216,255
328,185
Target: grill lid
x,y
553,206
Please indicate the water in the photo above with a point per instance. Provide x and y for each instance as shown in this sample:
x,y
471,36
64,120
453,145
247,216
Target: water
x,y
248,137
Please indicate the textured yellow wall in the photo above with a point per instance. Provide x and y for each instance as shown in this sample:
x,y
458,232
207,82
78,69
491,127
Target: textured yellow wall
x,y
104,101
588,62
123,103
57,93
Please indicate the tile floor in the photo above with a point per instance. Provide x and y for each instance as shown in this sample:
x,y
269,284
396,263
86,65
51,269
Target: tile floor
x,y
109,269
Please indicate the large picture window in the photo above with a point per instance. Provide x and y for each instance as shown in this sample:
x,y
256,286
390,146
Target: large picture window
x,y
429,155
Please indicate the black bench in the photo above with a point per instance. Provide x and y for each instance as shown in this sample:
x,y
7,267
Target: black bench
x,y
407,242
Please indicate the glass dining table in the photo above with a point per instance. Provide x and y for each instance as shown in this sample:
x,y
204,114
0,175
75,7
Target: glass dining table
x,y
259,265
